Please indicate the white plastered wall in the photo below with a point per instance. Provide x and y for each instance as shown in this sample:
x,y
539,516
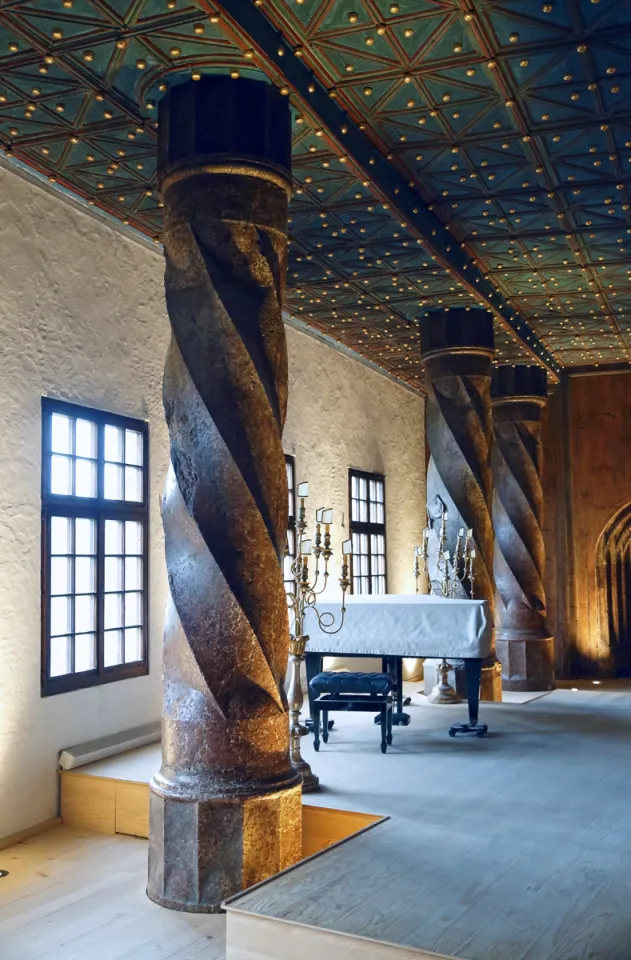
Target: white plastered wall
x,y
82,319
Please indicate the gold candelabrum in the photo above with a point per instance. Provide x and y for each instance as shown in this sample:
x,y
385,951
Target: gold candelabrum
x,y
309,583
454,576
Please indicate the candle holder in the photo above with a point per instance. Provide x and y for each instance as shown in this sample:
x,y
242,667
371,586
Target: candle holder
x,y
454,577
308,585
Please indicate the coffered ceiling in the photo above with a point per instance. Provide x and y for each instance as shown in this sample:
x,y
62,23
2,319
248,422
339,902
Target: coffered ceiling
x,y
445,152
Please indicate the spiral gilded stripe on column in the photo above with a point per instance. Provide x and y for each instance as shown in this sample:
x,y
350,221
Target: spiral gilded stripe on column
x,y
225,805
518,509
524,645
458,422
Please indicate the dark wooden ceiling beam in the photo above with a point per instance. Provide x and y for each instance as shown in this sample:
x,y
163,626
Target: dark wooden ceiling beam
x,y
253,25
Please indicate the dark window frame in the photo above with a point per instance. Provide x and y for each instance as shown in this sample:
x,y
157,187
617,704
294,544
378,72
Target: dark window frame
x,y
368,527
291,517
98,509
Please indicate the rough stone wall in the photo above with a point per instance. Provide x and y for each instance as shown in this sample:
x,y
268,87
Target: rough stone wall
x,y
82,319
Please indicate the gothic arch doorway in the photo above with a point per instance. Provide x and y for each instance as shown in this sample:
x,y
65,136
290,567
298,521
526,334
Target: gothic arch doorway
x,y
613,570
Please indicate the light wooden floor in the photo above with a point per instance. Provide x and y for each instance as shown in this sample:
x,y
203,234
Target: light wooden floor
x,y
76,896
517,847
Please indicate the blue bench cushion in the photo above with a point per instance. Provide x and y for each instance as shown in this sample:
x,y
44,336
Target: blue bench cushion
x,y
350,683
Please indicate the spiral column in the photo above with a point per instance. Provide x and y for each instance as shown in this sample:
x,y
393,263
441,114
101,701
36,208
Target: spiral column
x,y
225,807
524,645
457,352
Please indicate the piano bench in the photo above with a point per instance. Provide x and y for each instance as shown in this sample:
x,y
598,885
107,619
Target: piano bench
x,y
371,692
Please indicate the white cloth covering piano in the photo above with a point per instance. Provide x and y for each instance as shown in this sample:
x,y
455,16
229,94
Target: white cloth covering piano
x,y
393,626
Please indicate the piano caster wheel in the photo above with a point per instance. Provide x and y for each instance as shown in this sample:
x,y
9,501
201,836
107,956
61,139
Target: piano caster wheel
x,y
452,733
384,747
480,733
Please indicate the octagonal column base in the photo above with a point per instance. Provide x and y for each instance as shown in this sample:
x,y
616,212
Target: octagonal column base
x,y
491,682
527,663
203,851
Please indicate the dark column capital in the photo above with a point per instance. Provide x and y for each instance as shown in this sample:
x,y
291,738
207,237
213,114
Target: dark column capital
x,y
518,392
218,120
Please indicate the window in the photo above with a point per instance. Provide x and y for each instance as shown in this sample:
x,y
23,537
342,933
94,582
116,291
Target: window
x,y
94,547
368,532
290,463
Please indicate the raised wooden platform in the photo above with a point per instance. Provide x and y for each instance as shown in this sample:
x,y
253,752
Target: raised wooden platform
x,y
112,796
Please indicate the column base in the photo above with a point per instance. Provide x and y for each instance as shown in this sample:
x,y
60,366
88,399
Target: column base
x,y
527,663
491,682
203,851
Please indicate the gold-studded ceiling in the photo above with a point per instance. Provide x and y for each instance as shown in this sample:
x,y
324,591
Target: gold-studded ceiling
x,y
446,152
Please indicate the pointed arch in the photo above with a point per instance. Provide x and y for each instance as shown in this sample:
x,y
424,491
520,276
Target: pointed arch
x,y
613,573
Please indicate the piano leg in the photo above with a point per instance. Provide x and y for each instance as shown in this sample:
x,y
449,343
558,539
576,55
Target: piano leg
x,y
393,666
473,674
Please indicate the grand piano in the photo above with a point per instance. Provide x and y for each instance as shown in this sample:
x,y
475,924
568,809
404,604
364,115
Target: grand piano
x,y
394,626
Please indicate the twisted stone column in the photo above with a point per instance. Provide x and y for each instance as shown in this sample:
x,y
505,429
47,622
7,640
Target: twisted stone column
x,y
457,350
226,804
524,645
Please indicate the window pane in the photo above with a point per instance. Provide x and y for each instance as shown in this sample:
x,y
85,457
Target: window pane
x,y
60,475
113,443
59,656
133,447
133,573
60,575
133,645
84,613
60,535
60,433
354,487
133,537
133,484
85,478
113,536
363,511
112,611
363,488
85,536
85,442
112,653
59,616
113,574
85,652
133,609
85,575
113,482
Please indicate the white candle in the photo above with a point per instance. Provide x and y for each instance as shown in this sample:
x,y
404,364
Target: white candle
x,y
347,548
305,548
461,532
445,516
303,489
469,533
418,551
327,516
473,554
447,555
319,513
